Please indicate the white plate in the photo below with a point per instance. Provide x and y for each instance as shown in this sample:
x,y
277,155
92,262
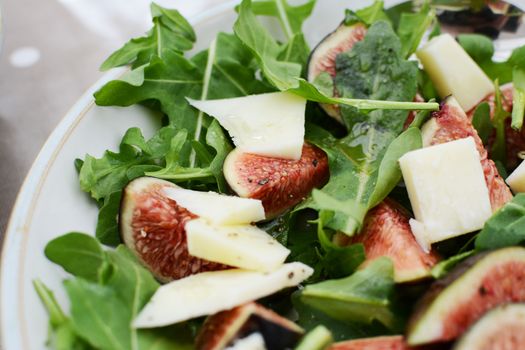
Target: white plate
x,y
51,203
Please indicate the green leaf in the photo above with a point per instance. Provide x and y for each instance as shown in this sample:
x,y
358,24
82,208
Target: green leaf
x,y
170,31
389,173
498,152
362,297
318,338
518,100
367,15
444,267
412,27
505,228
482,122
290,17
107,231
479,47
363,164
78,253
285,76
102,313
62,336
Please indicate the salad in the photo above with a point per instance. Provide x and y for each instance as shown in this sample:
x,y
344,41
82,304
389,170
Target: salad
x,y
363,194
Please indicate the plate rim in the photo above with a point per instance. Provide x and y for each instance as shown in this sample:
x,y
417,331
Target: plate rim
x,y
16,232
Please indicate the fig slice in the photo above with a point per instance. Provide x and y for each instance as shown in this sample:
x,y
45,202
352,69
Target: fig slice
x,y
502,328
152,226
393,342
386,232
225,328
322,58
457,301
279,183
451,123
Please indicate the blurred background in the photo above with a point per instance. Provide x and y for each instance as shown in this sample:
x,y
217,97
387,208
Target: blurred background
x,y
50,53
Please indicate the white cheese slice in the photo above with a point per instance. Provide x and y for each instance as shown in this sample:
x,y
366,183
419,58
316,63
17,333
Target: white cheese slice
x,y
447,190
218,208
269,124
454,72
244,246
210,292
516,179
254,341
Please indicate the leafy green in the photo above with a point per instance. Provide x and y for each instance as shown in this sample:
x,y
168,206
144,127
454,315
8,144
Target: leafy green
x,y
318,338
505,228
285,76
107,224
290,17
367,15
444,267
170,31
102,308
478,46
499,117
518,99
412,27
79,254
362,297
482,122
62,336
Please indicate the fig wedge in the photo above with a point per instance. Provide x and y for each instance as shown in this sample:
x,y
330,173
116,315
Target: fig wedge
x,y
152,226
279,183
386,232
322,58
502,328
393,342
223,329
451,123
457,301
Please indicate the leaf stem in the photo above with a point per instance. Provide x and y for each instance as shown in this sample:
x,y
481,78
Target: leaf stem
x,y
378,104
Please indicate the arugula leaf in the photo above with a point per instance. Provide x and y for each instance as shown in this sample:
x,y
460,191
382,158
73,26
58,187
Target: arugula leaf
x,y
412,27
482,122
102,309
518,99
367,15
444,267
107,223
170,31
62,336
285,76
362,297
505,228
499,117
478,46
290,17
78,253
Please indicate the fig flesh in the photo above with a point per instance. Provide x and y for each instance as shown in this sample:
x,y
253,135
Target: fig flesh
x,y
224,328
457,301
451,123
386,232
279,183
502,328
152,226
322,58
394,342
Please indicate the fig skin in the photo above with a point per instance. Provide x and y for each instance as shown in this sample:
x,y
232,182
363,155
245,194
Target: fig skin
x,y
502,328
152,227
472,288
451,123
279,183
392,342
322,58
386,232
222,329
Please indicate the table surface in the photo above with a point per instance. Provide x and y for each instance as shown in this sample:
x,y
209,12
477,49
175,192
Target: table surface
x,y
50,55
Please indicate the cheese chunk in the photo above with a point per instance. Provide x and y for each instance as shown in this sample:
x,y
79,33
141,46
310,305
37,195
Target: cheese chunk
x,y
447,191
207,293
218,208
454,72
269,124
516,180
242,246
254,341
